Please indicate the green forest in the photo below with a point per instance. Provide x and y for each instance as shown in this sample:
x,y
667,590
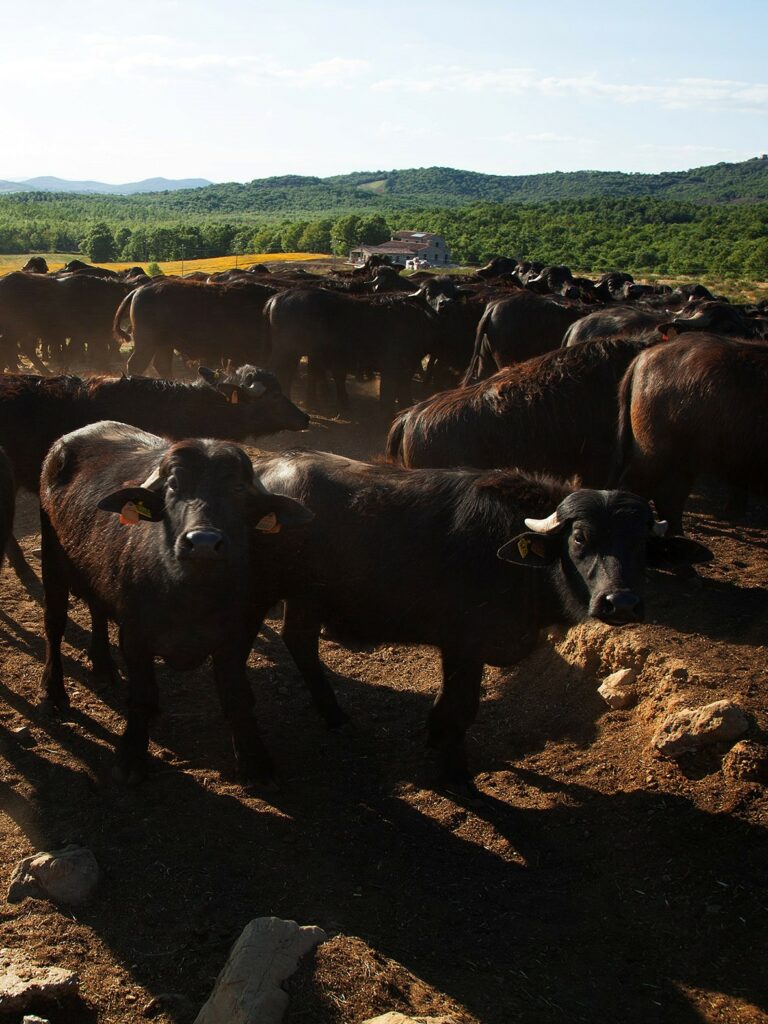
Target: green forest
x,y
711,220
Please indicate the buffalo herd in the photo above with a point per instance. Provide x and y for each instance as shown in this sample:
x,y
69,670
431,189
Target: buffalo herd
x,y
562,425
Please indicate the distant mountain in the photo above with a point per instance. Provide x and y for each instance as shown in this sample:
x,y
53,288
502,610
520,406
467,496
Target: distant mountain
x,y
49,184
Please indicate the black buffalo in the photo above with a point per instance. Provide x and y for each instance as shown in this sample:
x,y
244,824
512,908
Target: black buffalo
x,y
157,536
424,557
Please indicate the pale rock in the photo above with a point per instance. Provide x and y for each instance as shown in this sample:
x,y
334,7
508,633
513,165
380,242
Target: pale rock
x,y
248,990
23,982
69,875
617,690
32,1018
692,728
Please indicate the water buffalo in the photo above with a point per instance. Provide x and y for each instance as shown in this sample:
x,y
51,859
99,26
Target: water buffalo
x,y
553,414
714,317
212,323
691,406
156,536
517,328
340,334
423,556
42,308
36,265
614,322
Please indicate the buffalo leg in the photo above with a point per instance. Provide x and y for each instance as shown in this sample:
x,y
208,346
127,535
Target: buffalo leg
x,y
453,712
163,363
17,560
236,698
56,598
102,663
339,374
131,765
141,357
301,634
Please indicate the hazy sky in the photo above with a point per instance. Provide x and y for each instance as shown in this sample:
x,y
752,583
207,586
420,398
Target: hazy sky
x,y
242,89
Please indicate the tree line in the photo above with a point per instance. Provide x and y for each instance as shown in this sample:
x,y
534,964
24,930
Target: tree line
x,y
635,234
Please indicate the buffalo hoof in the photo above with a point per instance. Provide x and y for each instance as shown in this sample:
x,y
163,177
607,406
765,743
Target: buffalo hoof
x,y
255,772
54,707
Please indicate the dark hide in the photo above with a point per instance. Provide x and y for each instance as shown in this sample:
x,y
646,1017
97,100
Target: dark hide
x,y
691,406
213,323
517,328
168,560
397,556
553,414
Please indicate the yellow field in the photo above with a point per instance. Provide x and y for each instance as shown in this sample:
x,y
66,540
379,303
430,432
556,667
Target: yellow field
x,y
218,263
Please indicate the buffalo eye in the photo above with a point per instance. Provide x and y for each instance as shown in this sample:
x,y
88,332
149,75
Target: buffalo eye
x,y
172,483
578,538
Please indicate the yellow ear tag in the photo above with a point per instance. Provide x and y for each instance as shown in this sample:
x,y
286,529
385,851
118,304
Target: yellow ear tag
x,y
234,398
522,547
268,523
129,514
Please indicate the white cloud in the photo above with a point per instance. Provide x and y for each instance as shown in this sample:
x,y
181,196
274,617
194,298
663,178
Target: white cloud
x,y
675,93
103,58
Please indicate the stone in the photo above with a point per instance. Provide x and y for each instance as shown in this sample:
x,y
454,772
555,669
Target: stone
x,y
617,690
690,729
22,982
393,1017
69,875
248,989
31,1018
746,761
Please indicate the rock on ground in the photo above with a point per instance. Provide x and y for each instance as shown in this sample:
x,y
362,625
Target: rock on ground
x,y
692,728
69,875
617,690
23,982
248,990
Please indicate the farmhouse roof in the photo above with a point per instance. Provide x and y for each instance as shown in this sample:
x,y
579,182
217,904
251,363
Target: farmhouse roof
x,y
390,248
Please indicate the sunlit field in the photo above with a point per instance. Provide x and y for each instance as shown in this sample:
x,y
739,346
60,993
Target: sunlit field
x,y
57,260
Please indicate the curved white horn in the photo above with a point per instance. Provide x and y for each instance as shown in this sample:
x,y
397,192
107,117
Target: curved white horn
x,y
258,389
659,528
548,525
152,481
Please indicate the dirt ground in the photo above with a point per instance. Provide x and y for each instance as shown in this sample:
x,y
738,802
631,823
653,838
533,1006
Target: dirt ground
x,y
592,882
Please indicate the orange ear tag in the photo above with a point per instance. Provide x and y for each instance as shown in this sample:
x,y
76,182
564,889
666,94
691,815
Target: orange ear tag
x,y
234,398
268,523
129,514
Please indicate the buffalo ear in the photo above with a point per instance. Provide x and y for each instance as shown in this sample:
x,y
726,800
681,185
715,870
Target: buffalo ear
x,y
209,376
664,552
276,512
534,550
135,505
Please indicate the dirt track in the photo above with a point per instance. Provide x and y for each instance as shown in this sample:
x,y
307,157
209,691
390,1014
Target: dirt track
x,y
593,882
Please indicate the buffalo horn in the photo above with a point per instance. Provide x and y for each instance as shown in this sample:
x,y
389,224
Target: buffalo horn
x,y
549,525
